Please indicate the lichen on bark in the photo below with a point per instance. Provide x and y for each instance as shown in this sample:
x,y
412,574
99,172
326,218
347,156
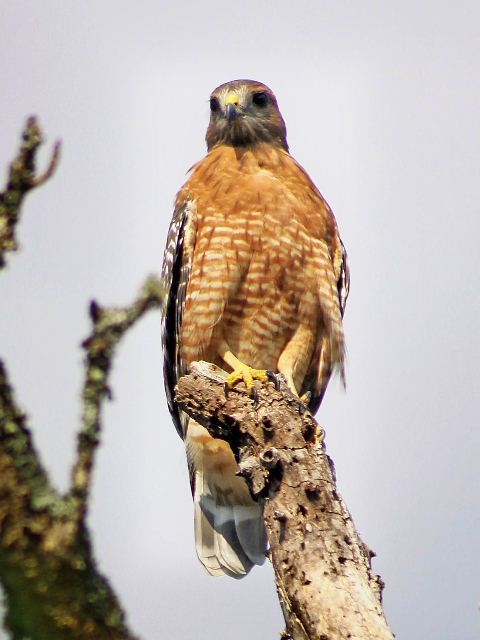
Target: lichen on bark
x,y
53,589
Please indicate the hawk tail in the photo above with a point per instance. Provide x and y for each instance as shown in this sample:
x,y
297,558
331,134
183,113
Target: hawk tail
x,y
230,536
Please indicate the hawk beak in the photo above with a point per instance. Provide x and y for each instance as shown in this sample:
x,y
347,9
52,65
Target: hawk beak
x,y
231,111
231,106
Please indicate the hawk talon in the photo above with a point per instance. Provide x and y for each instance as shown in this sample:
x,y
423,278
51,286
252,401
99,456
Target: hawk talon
x,y
301,408
272,376
303,402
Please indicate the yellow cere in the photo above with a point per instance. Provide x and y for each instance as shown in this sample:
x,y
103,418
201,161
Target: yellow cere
x,y
232,98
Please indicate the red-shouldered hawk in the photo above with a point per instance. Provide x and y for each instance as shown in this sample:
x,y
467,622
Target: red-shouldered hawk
x,y
257,280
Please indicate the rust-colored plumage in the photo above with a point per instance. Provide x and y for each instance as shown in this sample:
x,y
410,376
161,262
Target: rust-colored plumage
x,y
257,276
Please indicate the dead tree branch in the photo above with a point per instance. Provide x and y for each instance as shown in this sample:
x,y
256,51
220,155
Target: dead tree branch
x,y
109,326
21,179
323,570
47,570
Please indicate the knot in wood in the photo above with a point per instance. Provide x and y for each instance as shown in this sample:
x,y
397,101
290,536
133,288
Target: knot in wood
x,y
247,467
312,489
267,425
269,458
254,473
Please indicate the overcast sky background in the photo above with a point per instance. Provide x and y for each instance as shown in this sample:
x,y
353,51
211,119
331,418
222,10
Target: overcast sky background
x,y
382,103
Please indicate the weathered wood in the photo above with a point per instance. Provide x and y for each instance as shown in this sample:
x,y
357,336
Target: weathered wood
x,y
323,570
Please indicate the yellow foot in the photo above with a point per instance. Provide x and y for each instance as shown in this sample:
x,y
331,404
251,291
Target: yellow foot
x,y
247,375
305,398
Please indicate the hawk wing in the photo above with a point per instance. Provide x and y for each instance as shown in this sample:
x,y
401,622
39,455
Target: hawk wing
x,y
175,276
229,533
343,279
317,380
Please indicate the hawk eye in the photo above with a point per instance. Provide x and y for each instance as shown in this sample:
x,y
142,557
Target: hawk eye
x,y
260,99
214,105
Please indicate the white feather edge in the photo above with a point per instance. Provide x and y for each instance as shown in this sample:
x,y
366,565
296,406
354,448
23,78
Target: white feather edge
x,y
229,539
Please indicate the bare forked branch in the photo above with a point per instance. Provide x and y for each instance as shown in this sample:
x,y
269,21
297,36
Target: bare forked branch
x,y
109,326
22,178
48,572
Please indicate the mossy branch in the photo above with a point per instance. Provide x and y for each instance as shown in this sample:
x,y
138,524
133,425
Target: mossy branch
x,y
53,588
22,178
109,326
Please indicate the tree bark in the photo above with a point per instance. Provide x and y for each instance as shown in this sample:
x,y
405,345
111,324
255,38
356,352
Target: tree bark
x,y
322,568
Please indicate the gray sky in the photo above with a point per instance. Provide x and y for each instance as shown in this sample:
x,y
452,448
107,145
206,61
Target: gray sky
x,y
382,102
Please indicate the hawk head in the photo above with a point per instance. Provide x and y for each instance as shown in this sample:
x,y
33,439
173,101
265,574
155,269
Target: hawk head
x,y
243,113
